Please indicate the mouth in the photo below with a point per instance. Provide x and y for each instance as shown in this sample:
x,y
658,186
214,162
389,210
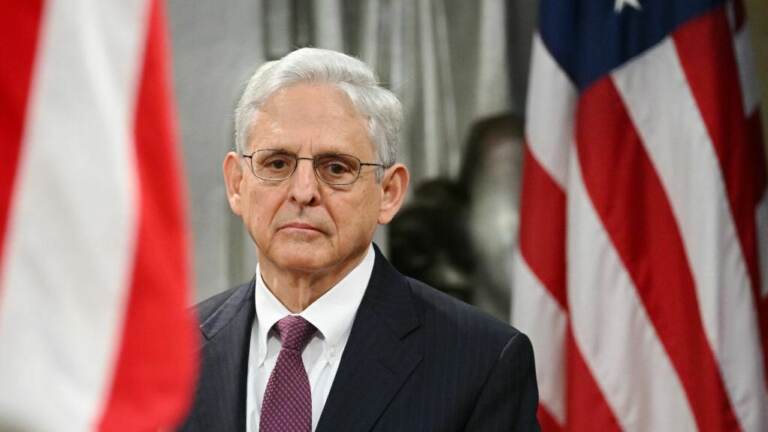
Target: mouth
x,y
299,226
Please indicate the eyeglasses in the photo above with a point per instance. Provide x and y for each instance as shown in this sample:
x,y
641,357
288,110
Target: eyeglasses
x,y
331,168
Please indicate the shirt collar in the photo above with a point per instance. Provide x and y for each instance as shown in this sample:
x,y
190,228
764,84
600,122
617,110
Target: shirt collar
x,y
332,314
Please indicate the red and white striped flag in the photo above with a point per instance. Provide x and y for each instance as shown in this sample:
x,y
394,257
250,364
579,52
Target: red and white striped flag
x,y
643,260
94,330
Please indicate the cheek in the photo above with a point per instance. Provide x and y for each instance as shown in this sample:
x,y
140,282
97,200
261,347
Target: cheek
x,y
359,215
260,213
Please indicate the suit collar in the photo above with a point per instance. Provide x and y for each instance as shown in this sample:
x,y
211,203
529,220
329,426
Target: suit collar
x,y
238,305
220,403
389,295
380,355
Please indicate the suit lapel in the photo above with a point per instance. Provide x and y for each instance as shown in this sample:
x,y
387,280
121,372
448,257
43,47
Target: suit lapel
x,y
225,363
380,355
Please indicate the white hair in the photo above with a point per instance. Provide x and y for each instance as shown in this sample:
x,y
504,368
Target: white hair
x,y
355,78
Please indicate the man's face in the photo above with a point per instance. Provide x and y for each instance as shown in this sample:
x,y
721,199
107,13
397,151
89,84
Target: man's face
x,y
301,224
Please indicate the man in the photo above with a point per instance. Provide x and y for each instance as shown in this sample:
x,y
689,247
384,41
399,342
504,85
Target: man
x,y
328,336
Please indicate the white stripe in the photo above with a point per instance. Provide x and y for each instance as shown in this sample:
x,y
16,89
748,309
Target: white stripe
x,y
745,63
549,131
550,111
537,314
72,227
661,104
612,329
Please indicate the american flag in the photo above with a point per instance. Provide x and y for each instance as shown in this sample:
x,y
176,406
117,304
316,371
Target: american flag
x,y
94,330
643,257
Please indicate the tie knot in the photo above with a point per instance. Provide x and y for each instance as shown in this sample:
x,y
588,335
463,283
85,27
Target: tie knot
x,y
295,332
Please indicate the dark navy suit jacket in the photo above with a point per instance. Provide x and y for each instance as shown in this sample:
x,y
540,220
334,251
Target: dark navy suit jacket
x,y
416,360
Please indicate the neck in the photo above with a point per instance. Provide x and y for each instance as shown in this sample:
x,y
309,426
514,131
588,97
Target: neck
x,y
296,290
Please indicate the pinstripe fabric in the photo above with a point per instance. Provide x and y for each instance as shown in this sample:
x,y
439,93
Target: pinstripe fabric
x,y
416,360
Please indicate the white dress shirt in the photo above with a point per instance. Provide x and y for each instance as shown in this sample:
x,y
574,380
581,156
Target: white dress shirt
x,y
332,315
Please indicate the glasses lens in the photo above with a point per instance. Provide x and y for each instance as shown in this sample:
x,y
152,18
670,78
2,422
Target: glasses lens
x,y
273,165
337,169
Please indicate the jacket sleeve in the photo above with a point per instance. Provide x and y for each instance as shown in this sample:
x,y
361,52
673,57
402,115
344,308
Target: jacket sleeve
x,y
510,397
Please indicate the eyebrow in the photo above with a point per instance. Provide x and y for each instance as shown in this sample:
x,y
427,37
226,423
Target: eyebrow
x,y
276,150
286,151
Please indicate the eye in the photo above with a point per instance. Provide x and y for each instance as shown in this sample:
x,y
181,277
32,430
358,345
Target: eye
x,y
335,165
274,165
337,169
276,161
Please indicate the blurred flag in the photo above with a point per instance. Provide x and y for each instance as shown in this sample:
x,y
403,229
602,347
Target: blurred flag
x,y
641,274
94,333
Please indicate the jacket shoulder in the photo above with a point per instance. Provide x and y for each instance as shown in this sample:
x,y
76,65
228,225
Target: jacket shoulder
x,y
216,310
468,321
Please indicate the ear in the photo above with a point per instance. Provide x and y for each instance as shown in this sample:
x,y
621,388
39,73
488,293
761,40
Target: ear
x,y
233,180
394,185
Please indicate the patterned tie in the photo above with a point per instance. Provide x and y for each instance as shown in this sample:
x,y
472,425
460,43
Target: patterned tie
x,y
287,404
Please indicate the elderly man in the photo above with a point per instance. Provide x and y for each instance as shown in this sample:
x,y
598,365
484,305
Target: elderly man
x,y
328,336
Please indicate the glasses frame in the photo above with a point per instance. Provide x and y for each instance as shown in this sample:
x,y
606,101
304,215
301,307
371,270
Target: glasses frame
x,y
315,163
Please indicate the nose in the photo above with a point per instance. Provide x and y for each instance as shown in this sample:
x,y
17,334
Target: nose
x,y
303,184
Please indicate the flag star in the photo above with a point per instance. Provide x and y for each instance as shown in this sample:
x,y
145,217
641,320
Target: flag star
x,y
618,6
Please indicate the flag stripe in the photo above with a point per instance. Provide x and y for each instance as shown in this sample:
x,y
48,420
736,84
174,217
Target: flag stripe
x,y
547,421
549,127
745,62
587,408
666,211
536,312
540,259
542,214
68,254
687,166
609,319
750,91
153,381
726,92
540,283
20,25
715,86
630,198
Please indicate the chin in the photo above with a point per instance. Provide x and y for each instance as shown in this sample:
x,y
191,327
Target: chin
x,y
303,259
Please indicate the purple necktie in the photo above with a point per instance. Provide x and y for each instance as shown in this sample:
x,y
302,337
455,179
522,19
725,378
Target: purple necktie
x,y
287,404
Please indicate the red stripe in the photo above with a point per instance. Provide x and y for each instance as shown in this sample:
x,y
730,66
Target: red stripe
x,y
542,241
547,421
714,80
19,30
633,206
587,409
542,227
154,377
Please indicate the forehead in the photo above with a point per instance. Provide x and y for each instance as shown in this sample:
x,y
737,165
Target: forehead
x,y
313,116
